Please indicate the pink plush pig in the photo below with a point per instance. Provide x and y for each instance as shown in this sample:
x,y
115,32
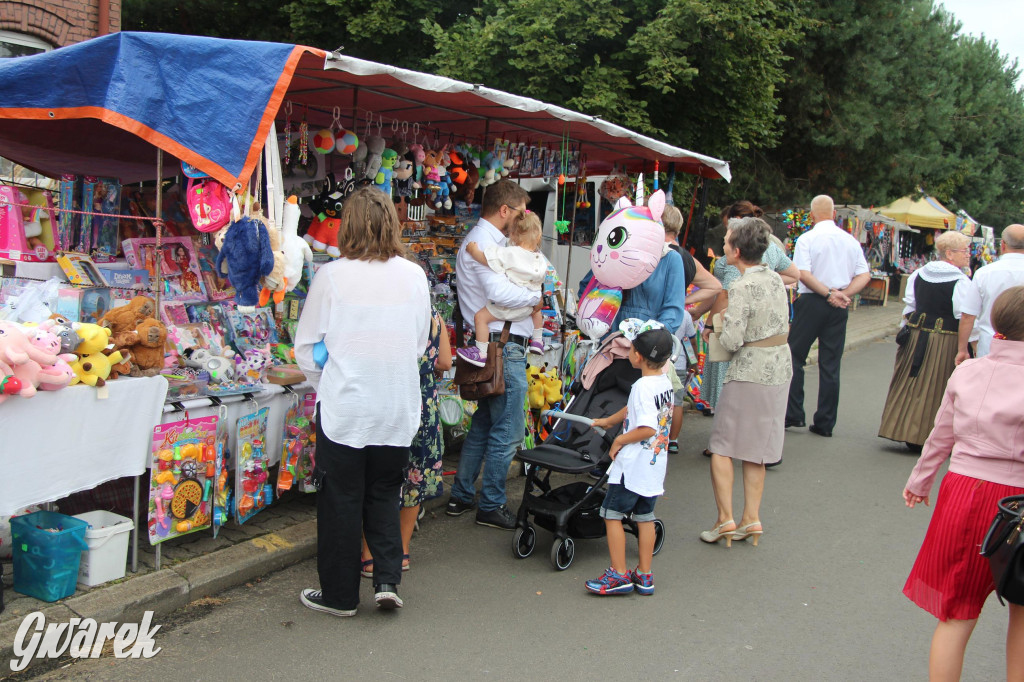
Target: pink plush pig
x,y
27,361
59,374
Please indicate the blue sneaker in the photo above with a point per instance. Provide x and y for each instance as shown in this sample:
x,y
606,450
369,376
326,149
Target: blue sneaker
x,y
611,583
643,582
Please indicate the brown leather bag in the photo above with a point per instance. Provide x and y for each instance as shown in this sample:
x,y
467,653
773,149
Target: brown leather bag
x,y
483,382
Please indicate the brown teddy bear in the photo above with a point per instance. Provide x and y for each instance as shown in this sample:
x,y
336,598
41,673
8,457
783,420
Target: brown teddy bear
x,y
127,317
148,350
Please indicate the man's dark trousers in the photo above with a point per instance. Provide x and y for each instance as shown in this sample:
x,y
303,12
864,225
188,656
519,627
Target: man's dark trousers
x,y
814,318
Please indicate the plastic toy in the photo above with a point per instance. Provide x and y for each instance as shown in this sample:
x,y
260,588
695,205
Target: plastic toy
x,y
220,368
296,250
249,258
252,489
179,502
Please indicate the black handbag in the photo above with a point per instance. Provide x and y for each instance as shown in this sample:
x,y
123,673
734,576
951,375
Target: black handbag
x,y
903,335
1004,549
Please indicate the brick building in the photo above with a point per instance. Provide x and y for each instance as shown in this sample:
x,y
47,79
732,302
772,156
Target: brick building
x,y
31,26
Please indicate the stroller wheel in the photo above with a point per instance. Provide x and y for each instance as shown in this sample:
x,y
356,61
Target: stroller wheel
x,y
659,535
562,553
523,542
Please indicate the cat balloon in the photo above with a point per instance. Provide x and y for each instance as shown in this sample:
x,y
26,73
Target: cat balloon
x,y
626,251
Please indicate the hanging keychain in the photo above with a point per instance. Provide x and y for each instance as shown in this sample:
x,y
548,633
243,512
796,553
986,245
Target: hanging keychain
x,y
304,138
287,132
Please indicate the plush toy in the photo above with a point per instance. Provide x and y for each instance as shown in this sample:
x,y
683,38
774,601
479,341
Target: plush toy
x,y
93,338
322,234
148,350
296,250
626,250
249,257
94,369
465,176
21,359
402,179
552,388
59,374
437,181
374,148
69,340
535,389
382,180
220,368
128,316
250,368
492,167
275,283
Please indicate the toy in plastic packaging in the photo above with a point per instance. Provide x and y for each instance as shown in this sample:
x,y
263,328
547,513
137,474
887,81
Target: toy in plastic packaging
x,y
253,489
181,487
222,498
297,453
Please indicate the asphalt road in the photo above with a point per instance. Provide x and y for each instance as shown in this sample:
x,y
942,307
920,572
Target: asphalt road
x,y
819,599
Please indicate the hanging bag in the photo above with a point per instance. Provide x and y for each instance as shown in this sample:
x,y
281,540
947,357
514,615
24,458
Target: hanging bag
x,y
209,205
1004,549
483,382
716,352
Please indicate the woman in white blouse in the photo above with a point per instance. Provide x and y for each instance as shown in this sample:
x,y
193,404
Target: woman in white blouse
x,y
371,308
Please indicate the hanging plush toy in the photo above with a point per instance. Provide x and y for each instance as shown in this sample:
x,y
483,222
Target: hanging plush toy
x,y
464,174
249,258
626,250
382,180
374,148
275,283
322,234
296,250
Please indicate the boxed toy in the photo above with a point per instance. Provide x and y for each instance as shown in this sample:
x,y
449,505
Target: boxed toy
x,y
80,270
81,304
179,267
126,279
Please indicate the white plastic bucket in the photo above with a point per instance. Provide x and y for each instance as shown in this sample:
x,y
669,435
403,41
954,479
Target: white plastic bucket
x,y
107,556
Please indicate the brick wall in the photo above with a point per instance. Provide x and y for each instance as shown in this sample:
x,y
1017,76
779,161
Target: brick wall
x,y
58,22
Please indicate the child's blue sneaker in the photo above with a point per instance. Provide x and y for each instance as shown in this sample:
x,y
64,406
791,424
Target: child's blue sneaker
x,y
643,582
611,583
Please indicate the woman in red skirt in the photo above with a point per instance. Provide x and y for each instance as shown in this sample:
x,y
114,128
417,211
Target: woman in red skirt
x,y
978,427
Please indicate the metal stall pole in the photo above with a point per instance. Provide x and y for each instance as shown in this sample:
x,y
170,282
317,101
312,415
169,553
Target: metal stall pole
x,y
135,531
568,268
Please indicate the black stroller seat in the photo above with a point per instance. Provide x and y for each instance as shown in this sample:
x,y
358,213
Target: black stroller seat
x,y
572,510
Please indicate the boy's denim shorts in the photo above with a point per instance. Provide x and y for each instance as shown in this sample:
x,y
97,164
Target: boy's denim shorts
x,y
620,502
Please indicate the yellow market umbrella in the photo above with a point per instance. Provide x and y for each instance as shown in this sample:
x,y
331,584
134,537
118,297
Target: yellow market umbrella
x,y
921,212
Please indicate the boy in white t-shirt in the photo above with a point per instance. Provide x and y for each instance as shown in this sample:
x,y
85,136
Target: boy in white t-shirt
x,y
523,264
636,476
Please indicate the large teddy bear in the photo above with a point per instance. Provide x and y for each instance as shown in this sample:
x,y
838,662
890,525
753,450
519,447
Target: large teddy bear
x,y
148,349
249,258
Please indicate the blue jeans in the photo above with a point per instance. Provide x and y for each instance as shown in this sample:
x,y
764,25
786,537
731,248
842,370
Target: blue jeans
x,y
620,502
498,428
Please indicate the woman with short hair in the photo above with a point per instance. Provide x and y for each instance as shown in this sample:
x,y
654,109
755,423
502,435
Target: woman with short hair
x,y
927,355
749,424
978,428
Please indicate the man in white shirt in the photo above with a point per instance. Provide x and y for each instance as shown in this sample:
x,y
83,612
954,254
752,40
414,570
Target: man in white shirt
x,y
832,270
499,422
990,281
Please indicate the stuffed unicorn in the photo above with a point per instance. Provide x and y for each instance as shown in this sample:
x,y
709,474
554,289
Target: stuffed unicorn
x,y
626,250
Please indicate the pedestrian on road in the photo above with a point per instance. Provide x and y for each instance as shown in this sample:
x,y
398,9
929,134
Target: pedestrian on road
x,y
749,423
832,271
499,423
636,477
978,429
925,359
775,258
990,281
368,398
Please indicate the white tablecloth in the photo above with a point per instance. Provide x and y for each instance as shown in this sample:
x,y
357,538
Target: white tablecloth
x,y
60,442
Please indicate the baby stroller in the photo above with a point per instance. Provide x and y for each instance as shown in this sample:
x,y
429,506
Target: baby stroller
x,y
574,447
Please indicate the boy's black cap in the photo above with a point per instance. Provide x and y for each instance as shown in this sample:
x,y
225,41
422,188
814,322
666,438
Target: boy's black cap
x,y
654,344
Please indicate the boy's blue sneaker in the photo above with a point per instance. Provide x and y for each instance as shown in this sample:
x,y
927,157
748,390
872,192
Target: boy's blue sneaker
x,y
611,583
643,582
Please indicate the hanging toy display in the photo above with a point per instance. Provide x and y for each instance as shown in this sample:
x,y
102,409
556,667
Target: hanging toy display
x,y
253,490
304,140
219,474
562,225
249,257
180,488
297,452
287,160
797,221
582,197
614,187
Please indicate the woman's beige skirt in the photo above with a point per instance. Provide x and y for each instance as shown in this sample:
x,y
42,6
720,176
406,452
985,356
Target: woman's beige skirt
x,y
750,422
912,402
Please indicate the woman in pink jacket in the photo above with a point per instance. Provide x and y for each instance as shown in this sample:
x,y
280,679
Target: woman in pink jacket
x,y
979,428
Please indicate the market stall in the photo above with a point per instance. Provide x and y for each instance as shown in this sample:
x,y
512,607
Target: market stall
x,y
922,212
132,124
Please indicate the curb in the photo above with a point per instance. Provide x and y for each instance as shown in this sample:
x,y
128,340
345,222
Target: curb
x,y
169,589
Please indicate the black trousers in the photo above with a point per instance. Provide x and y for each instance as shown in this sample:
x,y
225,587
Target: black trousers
x,y
359,494
814,319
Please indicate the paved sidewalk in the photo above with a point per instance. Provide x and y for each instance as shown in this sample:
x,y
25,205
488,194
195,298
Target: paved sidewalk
x,y
197,566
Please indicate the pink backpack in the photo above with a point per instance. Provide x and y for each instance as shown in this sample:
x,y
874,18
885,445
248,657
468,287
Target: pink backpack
x,y
209,204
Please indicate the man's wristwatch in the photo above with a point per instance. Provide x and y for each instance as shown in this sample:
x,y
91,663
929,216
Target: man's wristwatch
x,y
829,295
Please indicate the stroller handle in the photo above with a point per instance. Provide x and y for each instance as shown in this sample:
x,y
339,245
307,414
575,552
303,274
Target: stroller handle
x,y
557,414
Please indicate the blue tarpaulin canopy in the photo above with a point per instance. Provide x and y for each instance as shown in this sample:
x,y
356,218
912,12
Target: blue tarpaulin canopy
x,y
96,108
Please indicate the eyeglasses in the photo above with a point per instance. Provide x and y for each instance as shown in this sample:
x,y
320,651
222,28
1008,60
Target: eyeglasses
x,y
524,211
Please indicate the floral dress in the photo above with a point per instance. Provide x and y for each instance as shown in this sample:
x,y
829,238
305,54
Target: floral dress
x,y
423,475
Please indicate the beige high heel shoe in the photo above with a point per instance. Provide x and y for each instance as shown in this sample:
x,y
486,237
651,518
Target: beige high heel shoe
x,y
714,535
747,531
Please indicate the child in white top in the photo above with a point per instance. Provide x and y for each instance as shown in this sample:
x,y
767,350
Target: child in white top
x,y
525,266
636,476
